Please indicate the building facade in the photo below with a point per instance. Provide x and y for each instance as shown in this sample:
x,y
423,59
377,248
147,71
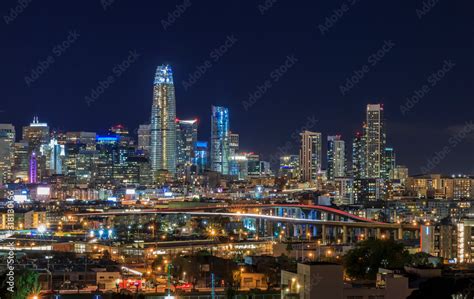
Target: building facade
x,y
163,153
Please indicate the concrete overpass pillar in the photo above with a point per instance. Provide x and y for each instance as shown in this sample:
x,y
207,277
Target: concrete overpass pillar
x,y
323,234
366,233
400,233
344,234
378,234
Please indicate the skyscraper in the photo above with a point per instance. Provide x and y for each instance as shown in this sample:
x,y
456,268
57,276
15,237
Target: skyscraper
x,y
201,154
234,143
389,163
7,152
36,134
186,132
375,141
336,156
144,139
310,155
220,141
358,165
163,122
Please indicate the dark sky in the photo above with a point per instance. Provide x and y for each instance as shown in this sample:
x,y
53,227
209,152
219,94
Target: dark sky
x,y
417,44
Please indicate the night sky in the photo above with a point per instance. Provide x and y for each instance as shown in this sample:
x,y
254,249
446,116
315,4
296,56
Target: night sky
x,y
323,45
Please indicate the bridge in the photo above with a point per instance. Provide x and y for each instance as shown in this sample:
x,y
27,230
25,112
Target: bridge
x,y
290,220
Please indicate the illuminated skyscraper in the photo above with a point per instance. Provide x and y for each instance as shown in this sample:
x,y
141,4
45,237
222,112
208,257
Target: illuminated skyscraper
x,y
289,166
7,152
36,134
234,143
220,139
358,156
186,131
163,122
389,163
144,139
201,153
310,155
375,141
336,157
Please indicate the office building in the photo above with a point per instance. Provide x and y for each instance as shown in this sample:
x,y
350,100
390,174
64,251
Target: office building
x,y
35,135
220,140
7,152
186,137
375,140
201,156
144,139
336,156
163,122
310,156
289,166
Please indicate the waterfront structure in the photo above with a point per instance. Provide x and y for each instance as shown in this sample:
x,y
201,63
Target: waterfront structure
x,y
163,153
310,155
220,140
336,157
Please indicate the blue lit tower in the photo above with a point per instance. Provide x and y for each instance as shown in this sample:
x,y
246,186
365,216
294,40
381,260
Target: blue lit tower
x,y
163,122
220,139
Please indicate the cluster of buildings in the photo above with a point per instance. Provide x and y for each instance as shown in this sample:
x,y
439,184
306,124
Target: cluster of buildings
x,y
168,151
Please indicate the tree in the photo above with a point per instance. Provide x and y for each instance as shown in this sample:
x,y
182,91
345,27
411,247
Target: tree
x,y
421,259
26,284
368,256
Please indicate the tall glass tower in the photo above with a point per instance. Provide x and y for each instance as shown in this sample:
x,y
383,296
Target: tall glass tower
x,y
310,155
163,122
220,141
336,156
374,141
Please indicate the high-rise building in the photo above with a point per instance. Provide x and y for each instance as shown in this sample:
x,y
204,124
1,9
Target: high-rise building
x,y
375,140
238,166
201,154
358,165
310,155
186,138
22,161
220,141
400,173
144,137
163,122
234,143
389,163
86,138
289,166
336,156
7,152
53,154
36,134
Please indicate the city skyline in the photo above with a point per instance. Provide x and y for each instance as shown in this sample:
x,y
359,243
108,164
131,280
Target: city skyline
x,y
319,60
